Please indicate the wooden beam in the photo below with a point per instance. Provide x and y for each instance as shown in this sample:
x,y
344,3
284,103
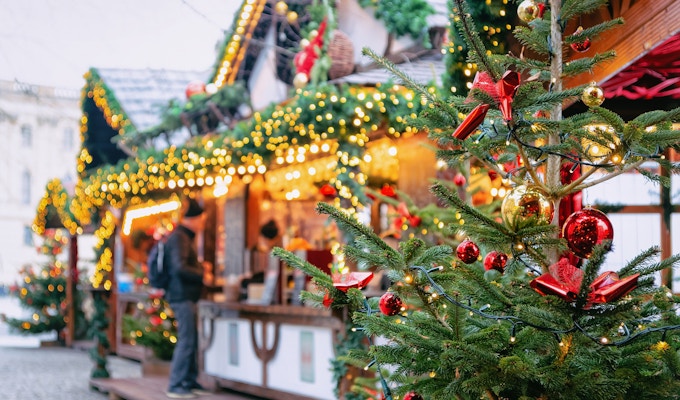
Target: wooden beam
x,y
648,23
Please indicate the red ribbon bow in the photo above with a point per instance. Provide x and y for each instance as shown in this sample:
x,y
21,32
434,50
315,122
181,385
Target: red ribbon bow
x,y
503,92
507,87
564,281
344,282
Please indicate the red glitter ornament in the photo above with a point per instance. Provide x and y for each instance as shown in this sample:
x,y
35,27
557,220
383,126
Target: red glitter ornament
x,y
412,396
585,229
467,251
583,46
390,304
328,191
495,260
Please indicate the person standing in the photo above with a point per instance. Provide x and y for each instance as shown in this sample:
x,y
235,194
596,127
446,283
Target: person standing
x,y
183,292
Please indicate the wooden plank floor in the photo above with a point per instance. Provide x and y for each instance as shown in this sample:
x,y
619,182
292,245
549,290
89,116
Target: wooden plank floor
x,y
152,388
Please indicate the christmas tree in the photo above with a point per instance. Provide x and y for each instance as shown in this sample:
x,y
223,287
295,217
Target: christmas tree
x,y
518,308
43,291
153,326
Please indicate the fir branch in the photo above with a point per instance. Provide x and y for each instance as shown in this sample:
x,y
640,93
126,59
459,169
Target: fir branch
x,y
586,64
658,116
529,38
662,139
654,178
411,84
573,8
355,228
593,31
477,52
610,118
470,213
641,259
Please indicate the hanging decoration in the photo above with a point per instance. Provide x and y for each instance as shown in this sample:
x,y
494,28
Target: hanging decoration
x,y
495,260
583,45
593,95
526,206
467,251
585,229
390,304
304,60
529,10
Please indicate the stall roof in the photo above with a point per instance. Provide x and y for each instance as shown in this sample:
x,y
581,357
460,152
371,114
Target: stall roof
x,y
140,93
423,70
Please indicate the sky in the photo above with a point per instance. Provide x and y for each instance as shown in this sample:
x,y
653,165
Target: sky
x,y
54,42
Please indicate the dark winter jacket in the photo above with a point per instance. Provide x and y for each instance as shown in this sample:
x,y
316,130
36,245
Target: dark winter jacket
x,y
186,272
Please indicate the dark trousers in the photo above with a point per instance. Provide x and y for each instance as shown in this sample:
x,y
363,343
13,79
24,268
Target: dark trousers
x,y
184,367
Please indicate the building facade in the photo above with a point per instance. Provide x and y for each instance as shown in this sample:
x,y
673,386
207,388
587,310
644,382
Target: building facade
x,y
40,128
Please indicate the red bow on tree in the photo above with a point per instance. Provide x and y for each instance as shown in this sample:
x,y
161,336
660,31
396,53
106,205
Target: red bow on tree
x,y
502,92
344,282
564,281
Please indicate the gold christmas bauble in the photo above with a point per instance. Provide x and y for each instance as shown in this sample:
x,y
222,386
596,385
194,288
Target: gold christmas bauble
x,y
592,95
292,17
528,10
526,205
281,8
301,80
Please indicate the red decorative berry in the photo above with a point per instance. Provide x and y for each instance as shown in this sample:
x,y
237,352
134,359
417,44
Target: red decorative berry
x,y
390,304
459,179
467,251
495,260
412,396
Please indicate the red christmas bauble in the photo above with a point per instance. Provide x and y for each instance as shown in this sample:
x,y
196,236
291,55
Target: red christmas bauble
x,y
390,304
194,88
467,251
412,396
328,191
585,229
459,179
388,191
583,46
495,260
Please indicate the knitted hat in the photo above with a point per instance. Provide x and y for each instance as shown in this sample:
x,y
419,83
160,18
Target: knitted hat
x,y
194,209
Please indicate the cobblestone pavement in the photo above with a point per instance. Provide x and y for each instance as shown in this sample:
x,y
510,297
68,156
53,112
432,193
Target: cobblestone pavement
x,y
54,373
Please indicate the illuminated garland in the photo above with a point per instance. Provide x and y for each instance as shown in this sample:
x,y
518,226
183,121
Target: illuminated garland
x,y
104,253
112,111
56,200
346,115
234,50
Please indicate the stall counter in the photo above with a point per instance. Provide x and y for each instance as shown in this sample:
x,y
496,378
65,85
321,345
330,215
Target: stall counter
x,y
280,351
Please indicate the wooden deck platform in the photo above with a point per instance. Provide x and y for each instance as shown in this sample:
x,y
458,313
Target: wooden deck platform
x,y
153,388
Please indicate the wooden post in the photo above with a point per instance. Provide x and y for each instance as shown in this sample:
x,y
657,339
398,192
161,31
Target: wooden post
x,y
71,286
